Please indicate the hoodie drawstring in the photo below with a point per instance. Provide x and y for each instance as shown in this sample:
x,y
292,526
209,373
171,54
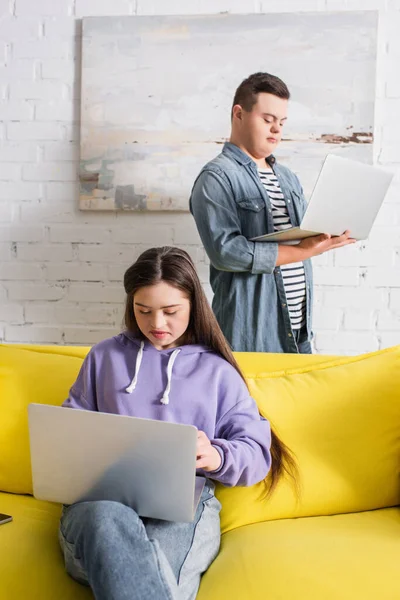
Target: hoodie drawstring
x,y
172,358
139,357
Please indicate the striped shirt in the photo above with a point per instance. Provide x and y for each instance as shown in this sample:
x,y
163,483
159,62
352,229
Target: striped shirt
x,y
293,276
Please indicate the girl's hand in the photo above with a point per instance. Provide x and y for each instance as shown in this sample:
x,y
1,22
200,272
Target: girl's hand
x,y
208,458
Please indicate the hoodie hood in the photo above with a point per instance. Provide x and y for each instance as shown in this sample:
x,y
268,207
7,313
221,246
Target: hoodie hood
x,y
145,346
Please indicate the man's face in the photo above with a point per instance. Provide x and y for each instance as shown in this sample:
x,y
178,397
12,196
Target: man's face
x,y
260,130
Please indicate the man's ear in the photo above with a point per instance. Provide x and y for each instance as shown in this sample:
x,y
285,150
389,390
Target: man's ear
x,y
237,112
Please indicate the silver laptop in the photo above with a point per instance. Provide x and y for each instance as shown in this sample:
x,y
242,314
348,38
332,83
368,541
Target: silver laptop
x,y
347,195
80,455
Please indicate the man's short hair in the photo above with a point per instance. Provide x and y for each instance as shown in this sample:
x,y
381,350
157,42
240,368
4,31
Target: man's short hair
x,y
247,92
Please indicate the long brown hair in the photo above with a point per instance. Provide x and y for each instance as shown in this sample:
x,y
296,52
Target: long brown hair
x,y
174,266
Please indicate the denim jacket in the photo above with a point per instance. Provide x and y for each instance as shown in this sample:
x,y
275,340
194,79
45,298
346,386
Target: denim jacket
x,y
230,206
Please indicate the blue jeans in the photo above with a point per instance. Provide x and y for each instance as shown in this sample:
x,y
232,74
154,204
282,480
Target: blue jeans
x,y
122,557
303,344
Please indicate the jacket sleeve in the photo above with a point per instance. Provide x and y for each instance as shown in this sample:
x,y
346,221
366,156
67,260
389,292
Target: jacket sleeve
x,y
243,439
214,210
83,393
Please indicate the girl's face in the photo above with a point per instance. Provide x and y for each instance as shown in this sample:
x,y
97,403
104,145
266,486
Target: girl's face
x,y
162,313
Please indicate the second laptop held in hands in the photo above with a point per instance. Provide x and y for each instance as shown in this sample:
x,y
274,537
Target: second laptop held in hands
x,y
347,196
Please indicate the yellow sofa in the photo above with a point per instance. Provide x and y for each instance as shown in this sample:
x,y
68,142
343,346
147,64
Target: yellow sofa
x,y
336,538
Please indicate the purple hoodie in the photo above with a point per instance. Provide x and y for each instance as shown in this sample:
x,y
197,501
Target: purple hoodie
x,y
189,384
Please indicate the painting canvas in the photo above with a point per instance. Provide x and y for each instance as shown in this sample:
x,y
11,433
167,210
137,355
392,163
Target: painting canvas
x,y
157,94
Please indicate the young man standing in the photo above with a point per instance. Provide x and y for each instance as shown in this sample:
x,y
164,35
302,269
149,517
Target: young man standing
x,y
262,291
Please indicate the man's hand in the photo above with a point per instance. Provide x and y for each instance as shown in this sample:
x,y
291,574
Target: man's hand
x,y
319,244
312,246
208,458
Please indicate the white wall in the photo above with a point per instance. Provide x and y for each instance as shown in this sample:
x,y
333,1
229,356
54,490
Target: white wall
x,y
61,269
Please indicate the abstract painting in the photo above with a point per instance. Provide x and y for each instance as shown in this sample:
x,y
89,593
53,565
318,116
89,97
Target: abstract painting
x,y
157,94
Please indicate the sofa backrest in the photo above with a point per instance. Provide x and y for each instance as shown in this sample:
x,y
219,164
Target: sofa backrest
x,y
339,415
341,418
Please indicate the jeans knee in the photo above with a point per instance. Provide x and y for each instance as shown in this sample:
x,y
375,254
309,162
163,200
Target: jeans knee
x,y
103,516
99,519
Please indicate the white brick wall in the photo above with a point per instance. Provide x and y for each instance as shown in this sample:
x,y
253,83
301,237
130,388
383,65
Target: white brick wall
x,y
61,269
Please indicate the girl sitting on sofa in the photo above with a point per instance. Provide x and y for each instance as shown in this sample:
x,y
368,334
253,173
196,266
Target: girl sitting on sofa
x,y
171,363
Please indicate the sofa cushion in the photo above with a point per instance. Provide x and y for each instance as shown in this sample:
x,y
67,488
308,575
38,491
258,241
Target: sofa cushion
x,y
343,557
27,376
33,566
341,418
335,558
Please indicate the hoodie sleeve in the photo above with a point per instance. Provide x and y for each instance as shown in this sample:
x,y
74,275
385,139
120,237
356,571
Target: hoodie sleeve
x,y
243,438
83,393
